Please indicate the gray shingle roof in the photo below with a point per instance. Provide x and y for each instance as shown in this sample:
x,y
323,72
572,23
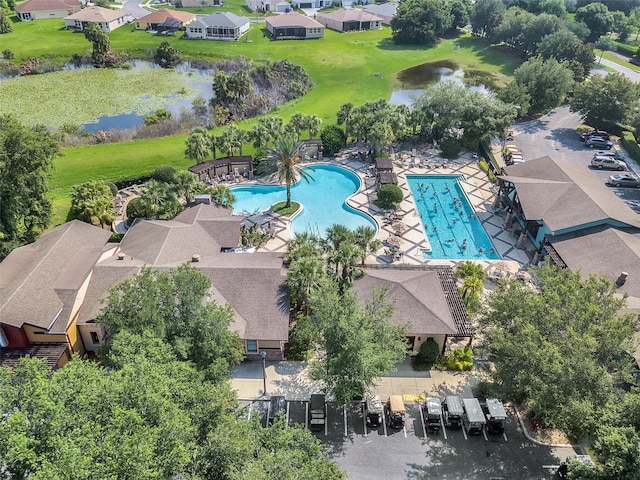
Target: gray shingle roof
x,y
39,282
418,295
293,20
220,19
565,195
387,9
603,251
203,229
350,15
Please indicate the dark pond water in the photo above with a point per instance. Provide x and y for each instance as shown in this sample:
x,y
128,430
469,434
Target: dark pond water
x,y
413,81
200,80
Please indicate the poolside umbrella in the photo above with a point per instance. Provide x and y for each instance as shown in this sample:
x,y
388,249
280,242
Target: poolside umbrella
x,y
394,241
399,227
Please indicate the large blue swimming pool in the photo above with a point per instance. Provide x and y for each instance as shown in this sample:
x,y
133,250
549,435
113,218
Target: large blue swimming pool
x,y
323,200
453,229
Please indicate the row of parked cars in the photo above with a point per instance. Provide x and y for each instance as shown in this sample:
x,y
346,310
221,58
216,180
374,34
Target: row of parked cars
x,y
613,161
452,412
597,139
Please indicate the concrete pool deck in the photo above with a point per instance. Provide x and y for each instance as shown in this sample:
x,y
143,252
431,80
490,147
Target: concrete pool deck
x,y
476,186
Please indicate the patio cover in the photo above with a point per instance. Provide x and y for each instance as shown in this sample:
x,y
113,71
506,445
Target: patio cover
x,y
385,178
384,164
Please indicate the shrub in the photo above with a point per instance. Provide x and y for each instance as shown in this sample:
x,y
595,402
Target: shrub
x,y
164,173
630,144
333,139
484,166
470,269
135,209
450,147
301,340
116,237
8,54
460,360
428,354
389,196
492,177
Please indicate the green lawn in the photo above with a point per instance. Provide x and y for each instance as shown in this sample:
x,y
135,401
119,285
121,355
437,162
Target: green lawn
x,y
616,59
342,66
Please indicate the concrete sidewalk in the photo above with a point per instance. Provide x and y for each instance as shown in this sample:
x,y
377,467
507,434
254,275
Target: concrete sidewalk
x,y
291,379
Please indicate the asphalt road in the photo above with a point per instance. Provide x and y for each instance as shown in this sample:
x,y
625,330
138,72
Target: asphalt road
x,y
555,135
134,7
383,453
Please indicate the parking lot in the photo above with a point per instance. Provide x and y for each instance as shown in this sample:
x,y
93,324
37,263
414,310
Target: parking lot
x,y
555,135
384,453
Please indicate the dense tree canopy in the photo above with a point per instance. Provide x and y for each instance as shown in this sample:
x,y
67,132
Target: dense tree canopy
x,y
604,100
420,22
597,17
560,349
545,83
26,157
147,416
170,304
357,343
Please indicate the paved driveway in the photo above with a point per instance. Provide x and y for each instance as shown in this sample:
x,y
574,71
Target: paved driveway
x,y
555,135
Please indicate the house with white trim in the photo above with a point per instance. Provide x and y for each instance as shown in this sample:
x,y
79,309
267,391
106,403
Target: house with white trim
x,y
218,26
45,9
108,20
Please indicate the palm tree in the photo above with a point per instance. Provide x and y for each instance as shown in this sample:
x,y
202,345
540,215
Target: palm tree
x,y
344,116
199,145
346,259
304,244
313,123
381,136
365,238
273,125
335,235
185,185
297,123
283,163
260,136
154,196
230,140
306,276
222,195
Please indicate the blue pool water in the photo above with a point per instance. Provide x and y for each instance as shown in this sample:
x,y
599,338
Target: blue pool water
x,y
323,199
449,223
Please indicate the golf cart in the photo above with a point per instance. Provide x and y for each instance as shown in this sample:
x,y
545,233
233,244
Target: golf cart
x,y
432,409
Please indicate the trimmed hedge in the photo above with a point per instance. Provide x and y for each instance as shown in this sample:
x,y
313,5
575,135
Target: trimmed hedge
x,y
626,50
629,143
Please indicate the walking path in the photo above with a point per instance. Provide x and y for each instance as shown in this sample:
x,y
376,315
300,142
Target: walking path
x,y
291,379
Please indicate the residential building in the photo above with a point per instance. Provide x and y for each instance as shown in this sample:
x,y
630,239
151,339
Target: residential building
x,y
269,6
219,26
108,20
312,3
293,26
44,9
42,288
426,299
384,11
349,19
70,269
165,20
568,214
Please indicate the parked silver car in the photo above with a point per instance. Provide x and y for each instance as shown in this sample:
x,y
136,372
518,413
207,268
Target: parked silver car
x,y
624,180
599,142
608,163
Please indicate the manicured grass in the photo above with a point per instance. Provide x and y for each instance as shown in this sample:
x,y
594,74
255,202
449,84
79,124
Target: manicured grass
x,y
354,67
616,59
280,208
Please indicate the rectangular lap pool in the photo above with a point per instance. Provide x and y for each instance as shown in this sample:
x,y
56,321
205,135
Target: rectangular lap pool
x,y
451,225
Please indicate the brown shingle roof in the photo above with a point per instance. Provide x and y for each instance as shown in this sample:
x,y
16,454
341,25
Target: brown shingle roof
x,y
42,5
39,282
161,16
564,195
418,295
97,14
350,15
293,20
203,229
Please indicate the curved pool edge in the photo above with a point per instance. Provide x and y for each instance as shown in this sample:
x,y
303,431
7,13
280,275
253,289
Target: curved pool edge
x,y
349,201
